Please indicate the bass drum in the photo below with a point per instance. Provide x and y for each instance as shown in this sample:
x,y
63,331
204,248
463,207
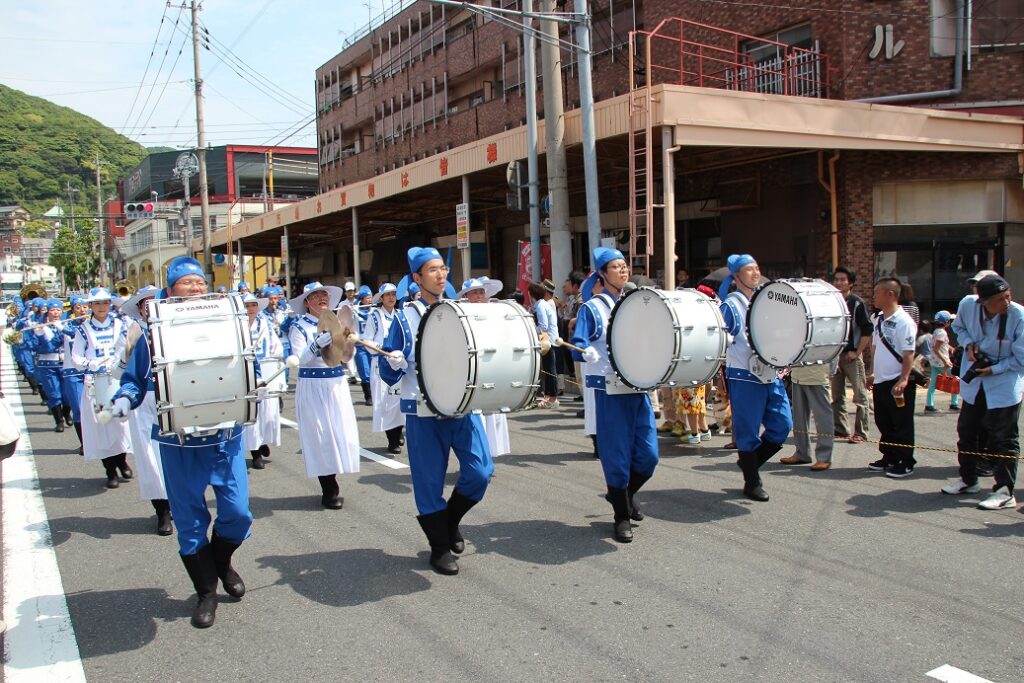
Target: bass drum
x,y
203,363
666,338
471,357
797,322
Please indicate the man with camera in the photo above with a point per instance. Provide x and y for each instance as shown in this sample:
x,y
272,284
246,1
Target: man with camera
x,y
990,328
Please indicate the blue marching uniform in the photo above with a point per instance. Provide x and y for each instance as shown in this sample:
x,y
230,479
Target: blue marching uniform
x,y
430,439
362,355
48,344
757,399
72,379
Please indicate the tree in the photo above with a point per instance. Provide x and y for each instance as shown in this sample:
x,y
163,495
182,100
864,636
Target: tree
x,y
36,228
73,254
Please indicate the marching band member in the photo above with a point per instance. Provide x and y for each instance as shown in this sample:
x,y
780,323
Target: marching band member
x,y
599,311
191,464
94,351
756,392
364,299
480,291
323,406
141,420
431,438
627,442
72,379
48,344
266,430
243,288
387,414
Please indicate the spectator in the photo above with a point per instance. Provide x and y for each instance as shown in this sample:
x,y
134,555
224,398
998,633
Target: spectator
x,y
566,318
908,302
924,339
939,358
682,279
892,390
811,396
990,328
544,312
851,363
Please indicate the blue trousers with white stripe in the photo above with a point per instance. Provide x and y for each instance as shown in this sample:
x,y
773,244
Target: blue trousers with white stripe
x,y
430,440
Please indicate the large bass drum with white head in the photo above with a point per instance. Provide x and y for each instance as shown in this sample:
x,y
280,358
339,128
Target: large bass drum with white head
x,y
666,338
203,363
483,356
797,322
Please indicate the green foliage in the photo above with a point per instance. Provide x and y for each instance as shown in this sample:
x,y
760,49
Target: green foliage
x,y
43,146
35,228
73,254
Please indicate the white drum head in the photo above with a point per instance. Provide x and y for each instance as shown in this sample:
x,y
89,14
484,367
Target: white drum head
x,y
797,322
442,358
642,338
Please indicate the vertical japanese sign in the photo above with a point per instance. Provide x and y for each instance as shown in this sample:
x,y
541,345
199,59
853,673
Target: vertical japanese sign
x,y
524,276
462,225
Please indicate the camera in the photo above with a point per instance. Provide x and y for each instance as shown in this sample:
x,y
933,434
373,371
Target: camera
x,y
981,361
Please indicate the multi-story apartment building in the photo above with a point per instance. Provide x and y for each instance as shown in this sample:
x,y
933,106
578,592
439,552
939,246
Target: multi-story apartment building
x,y
809,133
243,181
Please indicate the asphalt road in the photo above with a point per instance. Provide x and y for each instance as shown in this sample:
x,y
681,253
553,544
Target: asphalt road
x,y
844,576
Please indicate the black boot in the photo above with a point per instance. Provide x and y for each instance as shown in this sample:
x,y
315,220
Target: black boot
x,y
401,436
43,399
110,467
394,436
752,489
619,499
122,464
67,415
265,452
458,506
32,384
435,526
202,570
163,517
229,578
367,398
330,499
766,450
257,460
593,437
78,430
58,419
636,482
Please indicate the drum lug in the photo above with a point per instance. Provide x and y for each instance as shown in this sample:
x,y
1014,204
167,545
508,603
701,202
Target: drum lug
x,y
487,385
489,350
517,385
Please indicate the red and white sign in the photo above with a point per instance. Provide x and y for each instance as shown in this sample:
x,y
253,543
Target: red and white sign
x,y
524,275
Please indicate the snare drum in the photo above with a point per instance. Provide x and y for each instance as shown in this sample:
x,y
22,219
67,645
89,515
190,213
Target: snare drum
x,y
797,322
666,338
203,363
101,388
471,357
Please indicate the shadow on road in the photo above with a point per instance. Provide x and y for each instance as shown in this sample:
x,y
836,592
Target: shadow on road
x,y
62,528
346,578
266,507
102,629
74,487
392,481
688,506
905,501
539,541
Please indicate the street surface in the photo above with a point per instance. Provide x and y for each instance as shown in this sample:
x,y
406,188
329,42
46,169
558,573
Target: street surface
x,y
845,575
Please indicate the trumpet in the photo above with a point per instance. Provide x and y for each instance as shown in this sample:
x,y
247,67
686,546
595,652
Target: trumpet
x,y
33,290
124,288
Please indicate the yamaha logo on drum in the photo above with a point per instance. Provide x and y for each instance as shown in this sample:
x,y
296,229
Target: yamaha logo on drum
x,y
197,307
783,298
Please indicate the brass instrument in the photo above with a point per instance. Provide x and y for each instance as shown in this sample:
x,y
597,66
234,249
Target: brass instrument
x,y
33,290
124,288
340,350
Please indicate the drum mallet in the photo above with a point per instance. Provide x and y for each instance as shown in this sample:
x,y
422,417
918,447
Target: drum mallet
x,y
373,347
562,342
291,362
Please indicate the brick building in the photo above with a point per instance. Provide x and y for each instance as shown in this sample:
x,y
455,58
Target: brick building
x,y
769,103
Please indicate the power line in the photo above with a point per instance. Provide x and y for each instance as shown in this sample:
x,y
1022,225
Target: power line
x,y
170,73
155,78
149,61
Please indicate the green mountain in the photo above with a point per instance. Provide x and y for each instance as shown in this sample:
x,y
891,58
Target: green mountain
x,y
43,146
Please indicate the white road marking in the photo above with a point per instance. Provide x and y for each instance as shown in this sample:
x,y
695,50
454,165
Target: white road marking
x,y
369,455
40,643
951,674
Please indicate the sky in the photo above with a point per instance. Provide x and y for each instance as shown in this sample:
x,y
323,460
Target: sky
x,y
94,57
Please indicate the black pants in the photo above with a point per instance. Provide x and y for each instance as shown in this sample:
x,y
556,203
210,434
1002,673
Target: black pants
x,y
895,424
549,376
988,430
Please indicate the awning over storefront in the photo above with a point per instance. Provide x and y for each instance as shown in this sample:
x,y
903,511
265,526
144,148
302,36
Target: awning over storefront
x,y
702,117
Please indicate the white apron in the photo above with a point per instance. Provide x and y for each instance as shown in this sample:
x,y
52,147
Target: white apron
x,y
99,341
496,428
323,407
266,430
101,441
148,467
387,412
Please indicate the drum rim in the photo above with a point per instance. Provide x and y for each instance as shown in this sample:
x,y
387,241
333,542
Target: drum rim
x,y
796,362
470,370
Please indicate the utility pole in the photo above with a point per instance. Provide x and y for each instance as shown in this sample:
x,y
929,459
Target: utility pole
x,y
532,170
554,129
204,197
99,224
589,134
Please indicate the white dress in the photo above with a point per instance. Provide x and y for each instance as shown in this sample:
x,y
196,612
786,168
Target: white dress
x,y
387,413
323,406
99,341
148,467
266,430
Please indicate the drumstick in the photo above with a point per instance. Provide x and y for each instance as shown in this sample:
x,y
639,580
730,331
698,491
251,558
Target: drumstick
x,y
373,347
291,362
562,342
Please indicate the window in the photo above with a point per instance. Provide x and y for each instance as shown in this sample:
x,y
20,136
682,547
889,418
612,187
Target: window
x,y
7,250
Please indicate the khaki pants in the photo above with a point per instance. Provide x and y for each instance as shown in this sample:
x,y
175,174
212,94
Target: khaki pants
x,y
852,370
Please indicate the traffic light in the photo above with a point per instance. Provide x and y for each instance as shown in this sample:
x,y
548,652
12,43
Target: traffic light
x,y
136,210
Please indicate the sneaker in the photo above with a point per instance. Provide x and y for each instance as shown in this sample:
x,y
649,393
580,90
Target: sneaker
x,y
929,409
1000,498
878,466
959,486
899,471
678,430
705,436
553,404
956,407
693,439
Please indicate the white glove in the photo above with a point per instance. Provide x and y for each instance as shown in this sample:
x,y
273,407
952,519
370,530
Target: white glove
x,y
121,407
590,355
397,361
96,364
40,331
324,339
